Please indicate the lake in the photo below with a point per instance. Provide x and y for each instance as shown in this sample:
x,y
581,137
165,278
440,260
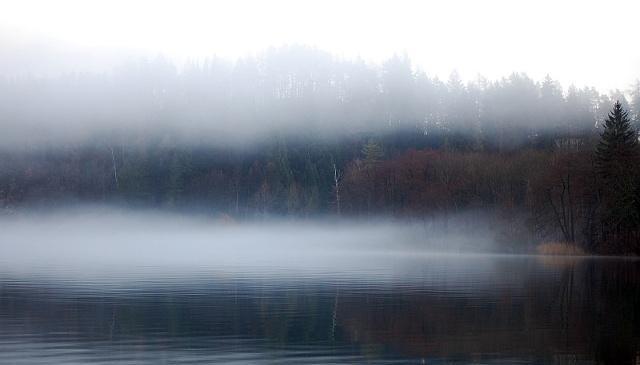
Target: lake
x,y
152,297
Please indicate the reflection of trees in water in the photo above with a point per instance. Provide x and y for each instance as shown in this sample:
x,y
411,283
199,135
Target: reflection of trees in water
x,y
334,317
564,298
598,308
586,310
564,311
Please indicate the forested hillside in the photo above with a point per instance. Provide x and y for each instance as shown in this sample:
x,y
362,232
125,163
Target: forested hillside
x,y
297,132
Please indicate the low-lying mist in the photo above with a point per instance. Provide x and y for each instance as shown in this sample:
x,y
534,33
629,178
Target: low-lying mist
x,y
91,240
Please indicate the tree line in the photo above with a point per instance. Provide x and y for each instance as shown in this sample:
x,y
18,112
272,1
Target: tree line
x,y
295,90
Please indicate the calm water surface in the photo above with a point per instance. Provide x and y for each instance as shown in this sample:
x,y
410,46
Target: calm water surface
x,y
335,307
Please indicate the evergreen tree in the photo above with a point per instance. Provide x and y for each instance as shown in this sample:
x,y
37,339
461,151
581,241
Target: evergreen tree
x,y
179,168
635,105
372,152
618,148
616,160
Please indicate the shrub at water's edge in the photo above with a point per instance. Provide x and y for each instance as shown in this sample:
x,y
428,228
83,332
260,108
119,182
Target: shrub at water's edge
x,y
559,249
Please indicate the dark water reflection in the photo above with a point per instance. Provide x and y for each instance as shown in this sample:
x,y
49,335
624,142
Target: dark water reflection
x,y
382,309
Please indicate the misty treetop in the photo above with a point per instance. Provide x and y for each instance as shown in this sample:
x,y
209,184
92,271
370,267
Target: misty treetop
x,y
617,150
293,90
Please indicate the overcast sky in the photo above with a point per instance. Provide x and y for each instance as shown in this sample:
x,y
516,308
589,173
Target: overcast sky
x,y
571,40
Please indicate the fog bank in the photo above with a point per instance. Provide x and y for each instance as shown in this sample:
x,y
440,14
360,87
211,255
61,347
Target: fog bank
x,y
293,90
94,239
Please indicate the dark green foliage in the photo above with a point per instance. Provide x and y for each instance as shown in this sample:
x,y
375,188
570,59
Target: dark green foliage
x,y
618,147
372,153
617,157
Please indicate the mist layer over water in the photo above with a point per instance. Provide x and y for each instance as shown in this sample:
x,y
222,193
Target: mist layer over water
x,y
89,240
106,286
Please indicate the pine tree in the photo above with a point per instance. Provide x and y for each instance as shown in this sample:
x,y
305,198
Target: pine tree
x,y
372,152
617,151
617,157
635,105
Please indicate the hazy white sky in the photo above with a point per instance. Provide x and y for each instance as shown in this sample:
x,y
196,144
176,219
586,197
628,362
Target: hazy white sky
x,y
572,40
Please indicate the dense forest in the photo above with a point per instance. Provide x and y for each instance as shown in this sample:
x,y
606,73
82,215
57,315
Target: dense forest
x,y
295,131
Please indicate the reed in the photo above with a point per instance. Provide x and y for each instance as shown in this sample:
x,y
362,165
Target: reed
x,y
559,249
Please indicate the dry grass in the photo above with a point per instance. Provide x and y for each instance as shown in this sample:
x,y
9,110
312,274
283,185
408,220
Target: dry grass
x,y
559,249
